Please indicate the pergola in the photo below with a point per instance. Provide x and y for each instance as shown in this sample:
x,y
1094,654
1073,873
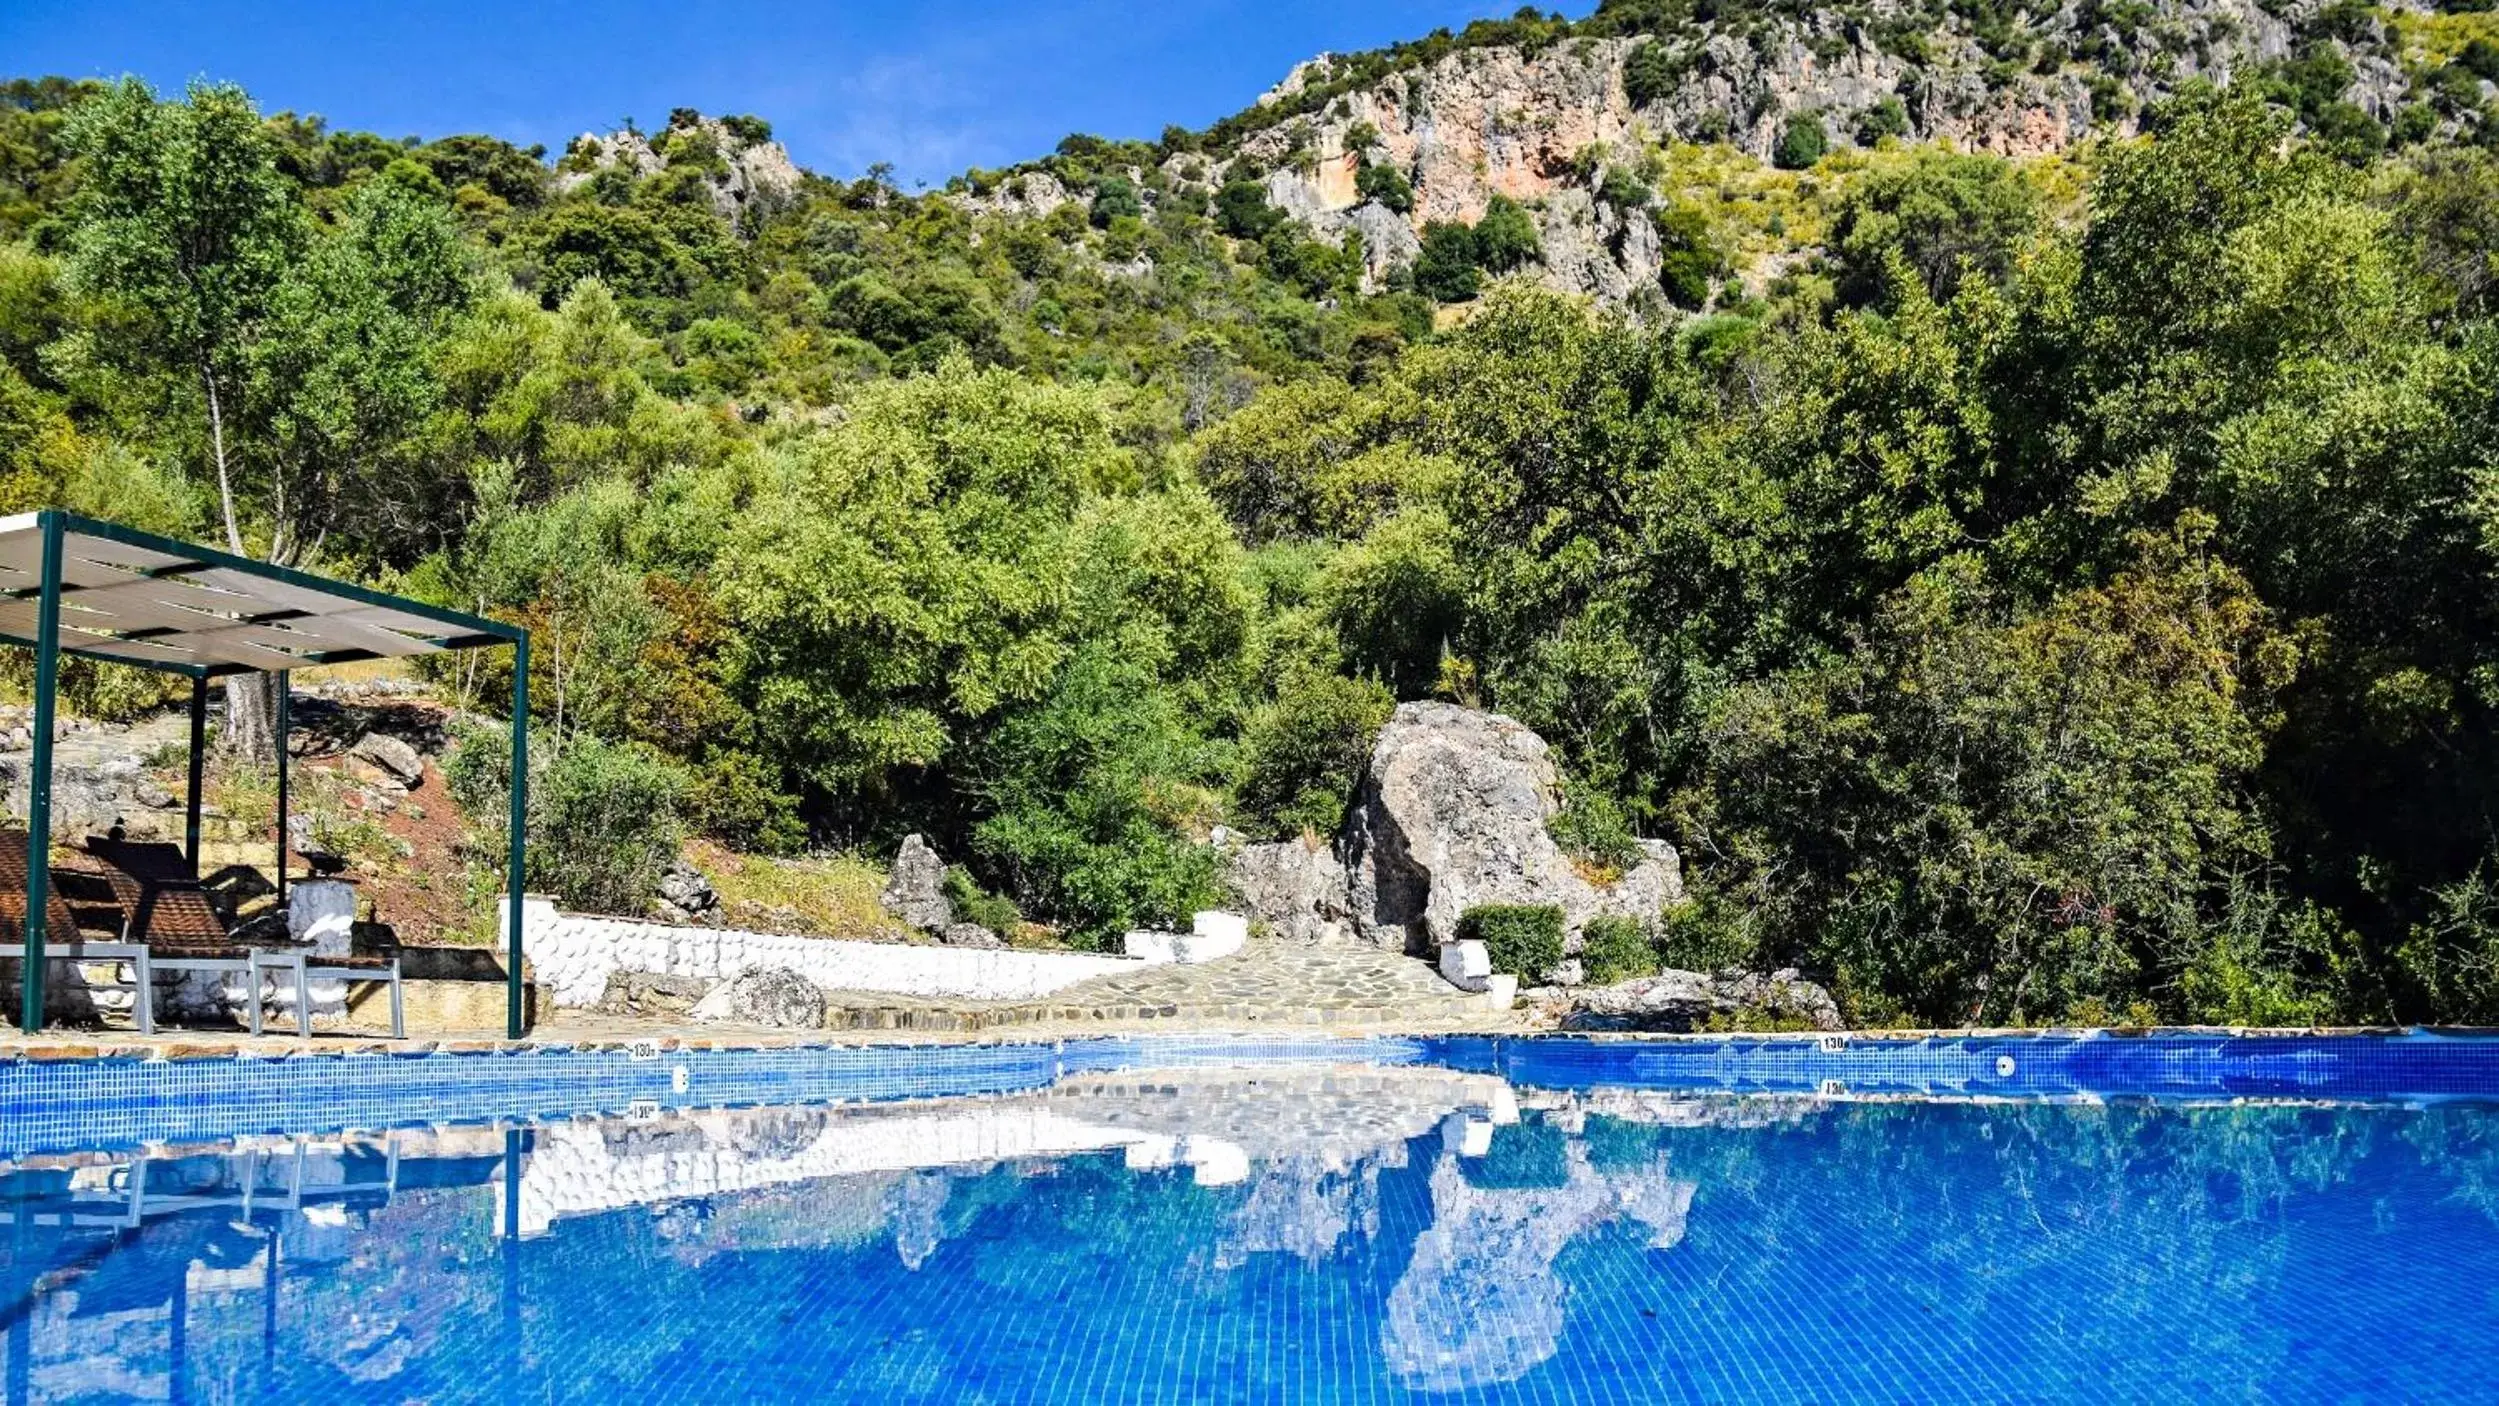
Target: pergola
x,y
99,590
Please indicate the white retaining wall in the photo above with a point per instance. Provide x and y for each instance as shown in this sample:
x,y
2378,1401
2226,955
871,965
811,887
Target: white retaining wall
x,y
572,954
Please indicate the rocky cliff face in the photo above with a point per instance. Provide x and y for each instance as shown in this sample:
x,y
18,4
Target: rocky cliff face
x,y
740,169
1541,127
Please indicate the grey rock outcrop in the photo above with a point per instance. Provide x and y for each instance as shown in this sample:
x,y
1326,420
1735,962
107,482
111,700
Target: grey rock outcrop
x,y
686,895
1538,126
969,935
1683,1000
1452,813
774,996
915,890
739,173
1293,889
391,757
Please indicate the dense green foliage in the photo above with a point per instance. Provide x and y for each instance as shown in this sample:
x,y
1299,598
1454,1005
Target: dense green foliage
x,y
1523,940
2024,609
1615,948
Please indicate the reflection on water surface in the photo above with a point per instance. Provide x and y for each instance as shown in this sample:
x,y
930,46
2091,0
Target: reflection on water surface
x,y
1313,1233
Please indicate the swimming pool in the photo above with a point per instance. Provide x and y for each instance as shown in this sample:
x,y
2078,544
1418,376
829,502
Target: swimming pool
x,y
1438,1220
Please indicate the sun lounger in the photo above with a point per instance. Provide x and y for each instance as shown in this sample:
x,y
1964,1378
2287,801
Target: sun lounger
x,y
170,914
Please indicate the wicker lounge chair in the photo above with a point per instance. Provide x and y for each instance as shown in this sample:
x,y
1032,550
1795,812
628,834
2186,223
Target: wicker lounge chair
x,y
63,939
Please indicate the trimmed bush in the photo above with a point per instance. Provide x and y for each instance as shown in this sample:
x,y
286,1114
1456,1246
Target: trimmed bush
x,y
1614,948
1524,940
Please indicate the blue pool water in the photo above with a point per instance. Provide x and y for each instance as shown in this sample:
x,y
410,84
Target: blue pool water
x,y
1360,1221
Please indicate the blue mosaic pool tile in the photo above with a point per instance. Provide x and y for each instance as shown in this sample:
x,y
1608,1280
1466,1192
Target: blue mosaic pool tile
x,y
128,1101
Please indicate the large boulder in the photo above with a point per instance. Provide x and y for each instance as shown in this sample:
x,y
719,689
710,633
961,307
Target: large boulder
x,y
1293,889
1452,814
774,996
915,890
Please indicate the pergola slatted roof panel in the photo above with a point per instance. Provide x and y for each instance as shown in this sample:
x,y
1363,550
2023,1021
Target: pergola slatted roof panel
x,y
142,599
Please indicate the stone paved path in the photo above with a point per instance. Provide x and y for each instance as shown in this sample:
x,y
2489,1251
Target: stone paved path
x,y
1262,984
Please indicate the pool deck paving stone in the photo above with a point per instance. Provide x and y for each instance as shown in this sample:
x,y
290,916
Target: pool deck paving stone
x,y
1261,989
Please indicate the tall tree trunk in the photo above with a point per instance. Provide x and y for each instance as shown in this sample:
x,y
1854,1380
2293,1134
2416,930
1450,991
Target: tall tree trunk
x,y
250,733
251,699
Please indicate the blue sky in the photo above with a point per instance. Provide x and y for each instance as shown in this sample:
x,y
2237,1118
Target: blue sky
x,y
931,87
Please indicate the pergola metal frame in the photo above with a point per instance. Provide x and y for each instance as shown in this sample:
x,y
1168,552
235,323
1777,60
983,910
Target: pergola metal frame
x,y
136,647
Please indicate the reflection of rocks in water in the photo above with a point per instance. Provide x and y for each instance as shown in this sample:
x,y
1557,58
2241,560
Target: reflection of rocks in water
x,y
1661,1204
1480,1304
1301,1207
915,1206
1336,1115
777,1132
1659,1108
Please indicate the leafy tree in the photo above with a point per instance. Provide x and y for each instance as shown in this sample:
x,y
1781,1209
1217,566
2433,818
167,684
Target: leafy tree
x,y
1446,270
186,228
903,577
1948,216
1992,815
1689,256
1505,239
1242,211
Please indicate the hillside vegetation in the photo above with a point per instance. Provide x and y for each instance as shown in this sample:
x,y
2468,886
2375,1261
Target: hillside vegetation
x,y
2063,592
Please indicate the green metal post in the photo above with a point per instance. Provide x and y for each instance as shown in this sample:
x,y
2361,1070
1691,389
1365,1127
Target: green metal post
x,y
199,765
515,873
39,786
284,688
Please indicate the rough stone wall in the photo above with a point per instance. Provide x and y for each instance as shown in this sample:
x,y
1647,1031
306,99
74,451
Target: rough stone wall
x,y
574,953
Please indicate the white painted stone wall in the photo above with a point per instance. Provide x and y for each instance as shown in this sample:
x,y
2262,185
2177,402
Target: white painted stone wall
x,y
1212,934
572,955
580,1169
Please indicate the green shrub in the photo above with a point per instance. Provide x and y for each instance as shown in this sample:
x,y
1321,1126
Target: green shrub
x,y
1591,828
1506,237
1306,750
974,904
1688,256
1615,948
1524,940
1888,118
1709,933
1116,196
1802,144
1624,190
603,816
1242,211
1650,73
1385,184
